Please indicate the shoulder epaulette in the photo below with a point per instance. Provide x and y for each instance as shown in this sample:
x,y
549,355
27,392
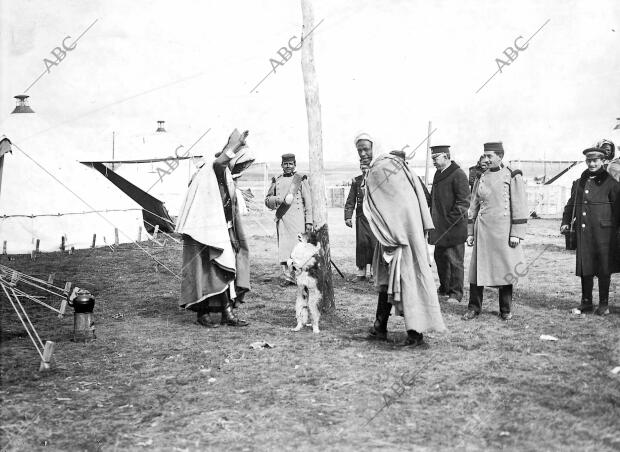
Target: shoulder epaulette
x,y
273,180
515,172
304,177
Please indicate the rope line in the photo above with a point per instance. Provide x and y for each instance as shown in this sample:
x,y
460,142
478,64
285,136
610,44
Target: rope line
x,y
98,213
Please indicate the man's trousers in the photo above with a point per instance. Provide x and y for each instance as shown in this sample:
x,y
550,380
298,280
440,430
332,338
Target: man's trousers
x,y
475,298
451,269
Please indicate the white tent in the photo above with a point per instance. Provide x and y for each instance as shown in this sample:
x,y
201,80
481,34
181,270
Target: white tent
x,y
158,165
48,197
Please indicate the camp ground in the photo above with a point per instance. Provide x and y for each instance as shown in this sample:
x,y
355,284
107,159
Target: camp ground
x,y
111,113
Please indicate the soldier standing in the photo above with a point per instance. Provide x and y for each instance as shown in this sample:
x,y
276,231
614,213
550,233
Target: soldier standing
x,y
495,228
289,196
365,242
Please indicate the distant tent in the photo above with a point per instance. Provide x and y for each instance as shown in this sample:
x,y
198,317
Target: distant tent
x,y
46,195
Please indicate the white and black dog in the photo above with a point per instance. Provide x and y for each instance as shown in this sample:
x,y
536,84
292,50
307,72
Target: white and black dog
x,y
304,260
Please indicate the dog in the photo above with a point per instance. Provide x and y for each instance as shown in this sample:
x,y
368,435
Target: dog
x,y
304,262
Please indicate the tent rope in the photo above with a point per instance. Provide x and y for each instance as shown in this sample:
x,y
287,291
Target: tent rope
x,y
98,213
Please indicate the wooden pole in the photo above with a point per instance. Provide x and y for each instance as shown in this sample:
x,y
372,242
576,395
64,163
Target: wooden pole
x,y
317,176
428,152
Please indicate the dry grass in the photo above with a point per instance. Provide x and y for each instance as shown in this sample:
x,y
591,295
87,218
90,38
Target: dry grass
x,y
154,379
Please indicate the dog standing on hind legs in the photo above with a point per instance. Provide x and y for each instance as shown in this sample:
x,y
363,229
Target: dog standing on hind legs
x,y
304,261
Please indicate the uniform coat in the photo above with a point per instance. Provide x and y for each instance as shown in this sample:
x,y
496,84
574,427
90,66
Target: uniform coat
x,y
498,210
364,240
597,217
296,217
449,204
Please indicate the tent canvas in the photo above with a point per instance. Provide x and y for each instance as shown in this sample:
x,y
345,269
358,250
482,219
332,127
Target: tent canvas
x,y
46,194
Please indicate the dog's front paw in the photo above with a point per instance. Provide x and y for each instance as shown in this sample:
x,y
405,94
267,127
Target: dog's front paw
x,y
297,328
316,330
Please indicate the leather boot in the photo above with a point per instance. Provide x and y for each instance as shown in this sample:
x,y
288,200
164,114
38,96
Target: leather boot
x,y
379,329
414,339
603,308
229,318
587,283
586,305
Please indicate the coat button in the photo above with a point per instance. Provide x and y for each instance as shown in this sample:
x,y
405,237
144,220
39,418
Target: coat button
x,y
583,225
585,202
587,191
584,214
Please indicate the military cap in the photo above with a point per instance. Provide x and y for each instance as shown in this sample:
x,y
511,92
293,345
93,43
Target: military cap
x,y
440,149
494,147
288,158
595,153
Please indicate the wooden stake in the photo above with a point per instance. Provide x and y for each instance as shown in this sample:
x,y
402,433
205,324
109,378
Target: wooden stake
x,y
50,278
63,308
62,243
139,233
94,240
156,231
315,148
83,327
48,352
36,247
67,288
4,247
116,236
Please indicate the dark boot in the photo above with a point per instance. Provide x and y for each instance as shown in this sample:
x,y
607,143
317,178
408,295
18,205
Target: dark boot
x,y
414,339
603,295
229,318
603,308
587,284
379,329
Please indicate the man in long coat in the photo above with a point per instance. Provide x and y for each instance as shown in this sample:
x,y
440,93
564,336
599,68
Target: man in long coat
x,y
364,240
496,226
216,263
401,264
289,196
594,210
449,204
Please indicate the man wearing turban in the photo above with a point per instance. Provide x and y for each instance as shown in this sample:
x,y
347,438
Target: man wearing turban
x,y
216,264
401,261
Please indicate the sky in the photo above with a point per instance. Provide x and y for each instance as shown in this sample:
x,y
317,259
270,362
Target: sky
x,y
383,67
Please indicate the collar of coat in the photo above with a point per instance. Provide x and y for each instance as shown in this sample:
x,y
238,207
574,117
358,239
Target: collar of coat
x,y
599,176
441,175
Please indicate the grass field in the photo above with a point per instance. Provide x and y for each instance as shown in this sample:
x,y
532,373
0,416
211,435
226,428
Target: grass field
x,y
154,380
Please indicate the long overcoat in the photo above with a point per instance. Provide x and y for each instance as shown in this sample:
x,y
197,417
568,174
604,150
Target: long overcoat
x,y
597,216
296,217
498,210
450,198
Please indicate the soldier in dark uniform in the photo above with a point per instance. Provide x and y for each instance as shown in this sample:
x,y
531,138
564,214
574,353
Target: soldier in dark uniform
x,y
594,207
365,242
449,204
